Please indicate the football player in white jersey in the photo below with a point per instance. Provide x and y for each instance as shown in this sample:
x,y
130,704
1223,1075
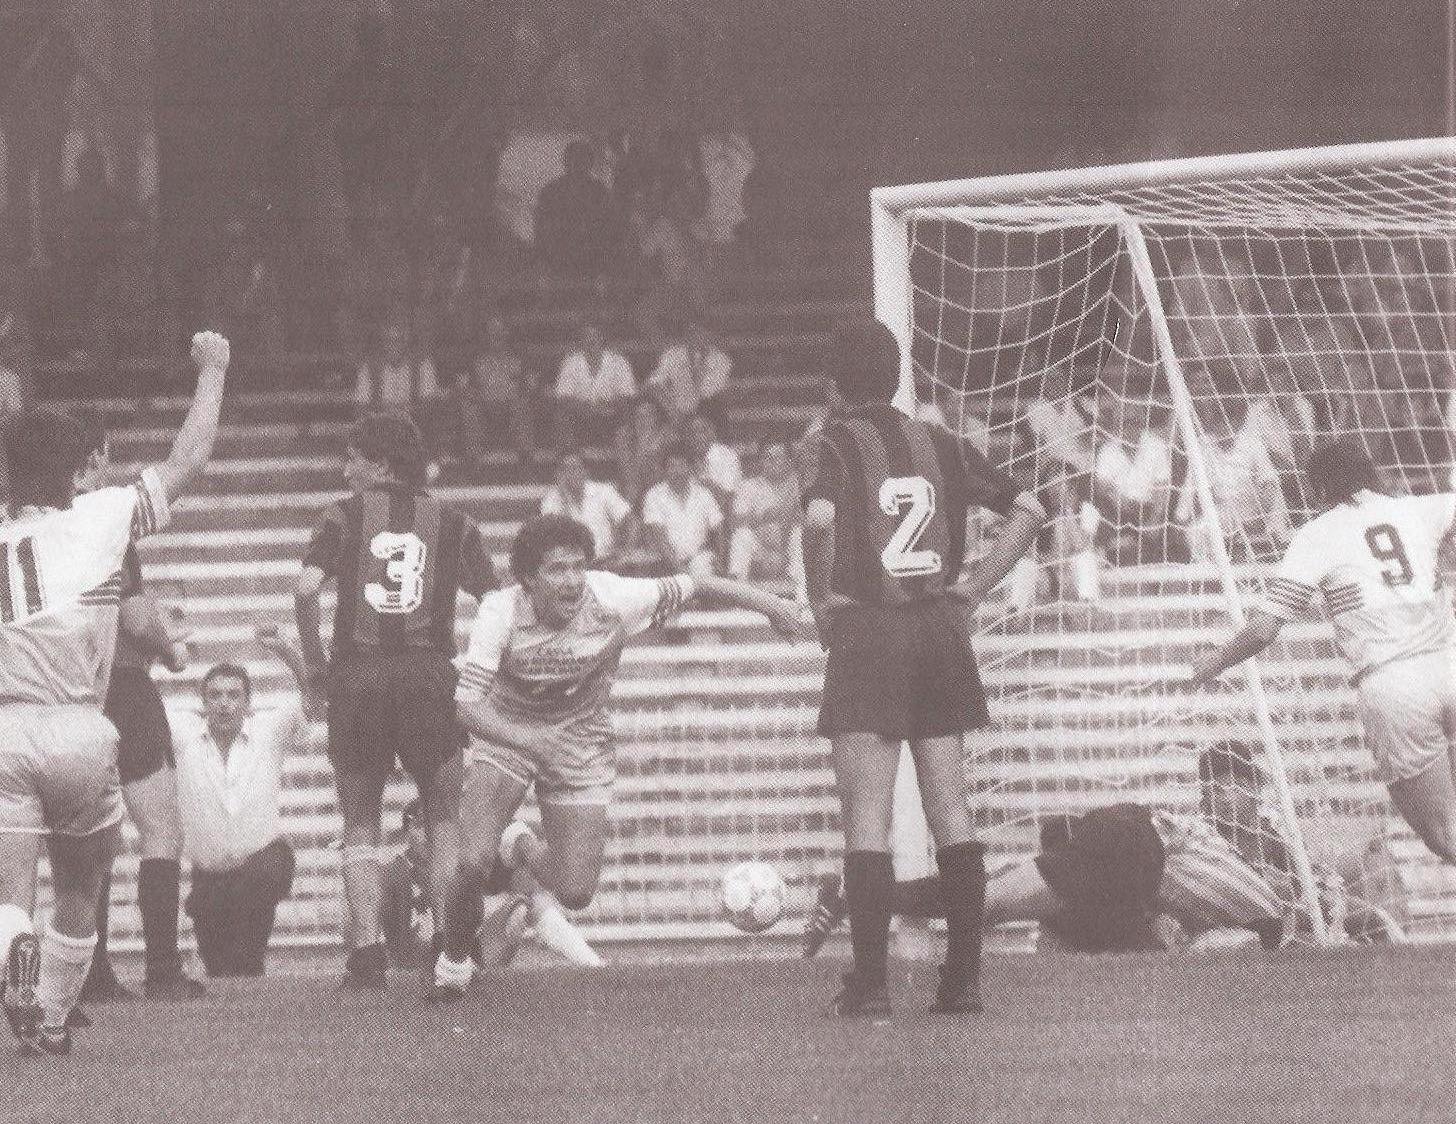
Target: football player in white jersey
x,y
60,583
532,695
1375,559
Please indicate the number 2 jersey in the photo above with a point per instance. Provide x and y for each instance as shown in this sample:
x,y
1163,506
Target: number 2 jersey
x,y
901,489
399,558
1373,559
60,591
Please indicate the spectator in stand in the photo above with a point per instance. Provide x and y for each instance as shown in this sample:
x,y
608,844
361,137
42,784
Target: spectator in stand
x,y
229,782
497,399
648,434
577,230
717,465
1247,491
243,299
727,160
1132,481
595,389
595,503
395,378
768,515
691,376
674,276
682,522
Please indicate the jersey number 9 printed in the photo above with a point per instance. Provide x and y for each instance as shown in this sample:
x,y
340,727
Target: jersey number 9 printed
x,y
912,498
403,556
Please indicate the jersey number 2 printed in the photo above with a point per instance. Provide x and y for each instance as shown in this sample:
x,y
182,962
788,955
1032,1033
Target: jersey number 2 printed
x,y
404,565
913,499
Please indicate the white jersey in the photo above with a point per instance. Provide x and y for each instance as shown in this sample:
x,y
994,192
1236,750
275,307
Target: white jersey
x,y
537,673
60,591
1374,561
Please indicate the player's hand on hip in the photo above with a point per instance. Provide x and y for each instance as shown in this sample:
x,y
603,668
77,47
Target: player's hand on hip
x,y
210,349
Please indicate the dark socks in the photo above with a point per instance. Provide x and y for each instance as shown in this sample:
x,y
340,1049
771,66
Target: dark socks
x,y
920,897
462,923
157,894
869,883
963,890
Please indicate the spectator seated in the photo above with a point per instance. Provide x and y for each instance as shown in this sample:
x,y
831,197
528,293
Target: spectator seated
x,y
768,516
691,376
595,389
682,522
497,399
596,503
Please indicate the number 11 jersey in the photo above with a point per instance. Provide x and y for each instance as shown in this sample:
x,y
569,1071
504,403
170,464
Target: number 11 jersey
x,y
1373,559
399,558
901,489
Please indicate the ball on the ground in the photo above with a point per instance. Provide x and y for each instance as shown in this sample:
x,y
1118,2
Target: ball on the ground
x,y
752,896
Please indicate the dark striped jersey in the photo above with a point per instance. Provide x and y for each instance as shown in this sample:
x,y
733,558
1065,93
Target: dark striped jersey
x,y
129,653
901,489
399,558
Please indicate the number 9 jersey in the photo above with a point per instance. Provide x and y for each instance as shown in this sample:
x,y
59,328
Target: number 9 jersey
x,y
901,490
1374,560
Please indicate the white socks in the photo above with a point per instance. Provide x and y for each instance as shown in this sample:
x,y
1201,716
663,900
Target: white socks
x,y
452,973
64,962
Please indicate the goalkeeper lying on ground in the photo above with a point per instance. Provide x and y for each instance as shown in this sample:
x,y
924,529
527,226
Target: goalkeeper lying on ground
x,y
1128,877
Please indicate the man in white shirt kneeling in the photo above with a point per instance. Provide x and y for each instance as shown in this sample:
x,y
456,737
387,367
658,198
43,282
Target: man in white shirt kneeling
x,y
229,778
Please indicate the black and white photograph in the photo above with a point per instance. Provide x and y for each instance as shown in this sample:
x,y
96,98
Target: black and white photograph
x,y
685,562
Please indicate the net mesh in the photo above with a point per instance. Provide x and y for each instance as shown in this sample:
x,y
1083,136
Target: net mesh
x,y
1298,306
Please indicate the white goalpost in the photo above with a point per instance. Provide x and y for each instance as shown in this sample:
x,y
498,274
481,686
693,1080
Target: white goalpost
x,y
1159,345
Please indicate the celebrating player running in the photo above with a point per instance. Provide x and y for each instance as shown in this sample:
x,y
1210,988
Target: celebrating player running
x,y
60,588
533,693
1374,557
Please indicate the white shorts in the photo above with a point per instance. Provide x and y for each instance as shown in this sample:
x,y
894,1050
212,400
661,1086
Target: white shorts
x,y
579,769
1408,710
57,770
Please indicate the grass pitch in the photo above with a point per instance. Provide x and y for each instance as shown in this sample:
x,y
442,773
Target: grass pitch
x,y
1301,1035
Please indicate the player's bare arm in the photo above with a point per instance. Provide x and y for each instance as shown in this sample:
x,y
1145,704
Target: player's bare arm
x,y
192,447
782,614
1012,541
308,612
1249,641
274,642
819,559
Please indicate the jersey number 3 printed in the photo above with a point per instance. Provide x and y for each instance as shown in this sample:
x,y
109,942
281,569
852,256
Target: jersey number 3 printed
x,y
403,556
913,499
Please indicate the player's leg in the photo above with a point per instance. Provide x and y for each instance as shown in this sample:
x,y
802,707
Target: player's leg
x,y
567,859
361,797
1427,802
152,804
1020,893
19,948
78,863
553,928
940,769
489,798
864,770
1405,715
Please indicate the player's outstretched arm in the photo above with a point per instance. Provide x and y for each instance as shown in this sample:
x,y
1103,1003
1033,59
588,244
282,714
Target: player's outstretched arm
x,y
192,447
1013,539
784,615
1248,642
274,642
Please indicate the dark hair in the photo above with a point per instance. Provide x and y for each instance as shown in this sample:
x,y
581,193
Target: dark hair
x,y
541,535
1229,760
863,359
229,671
45,447
394,440
1339,468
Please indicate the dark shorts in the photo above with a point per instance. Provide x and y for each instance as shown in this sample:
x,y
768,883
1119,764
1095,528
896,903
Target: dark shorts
x,y
902,671
385,706
1105,866
135,708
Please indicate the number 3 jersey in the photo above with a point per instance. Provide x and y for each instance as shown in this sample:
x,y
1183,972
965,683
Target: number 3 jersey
x,y
901,489
399,558
60,591
1374,561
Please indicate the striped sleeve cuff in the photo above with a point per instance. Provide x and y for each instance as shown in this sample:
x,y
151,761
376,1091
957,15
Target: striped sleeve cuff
x,y
1287,598
152,512
672,595
474,682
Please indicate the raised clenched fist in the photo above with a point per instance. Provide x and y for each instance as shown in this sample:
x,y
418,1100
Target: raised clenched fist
x,y
210,349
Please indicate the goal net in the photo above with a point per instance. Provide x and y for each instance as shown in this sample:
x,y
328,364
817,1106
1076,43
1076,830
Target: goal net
x,y
1159,346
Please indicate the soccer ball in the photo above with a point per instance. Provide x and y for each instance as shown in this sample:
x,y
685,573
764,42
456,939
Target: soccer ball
x,y
752,896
